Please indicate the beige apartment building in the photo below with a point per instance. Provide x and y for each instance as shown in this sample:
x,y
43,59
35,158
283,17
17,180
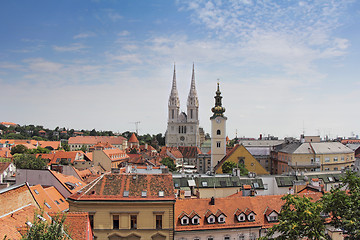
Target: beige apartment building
x,y
314,156
128,206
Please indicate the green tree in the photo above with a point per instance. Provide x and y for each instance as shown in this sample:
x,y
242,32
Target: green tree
x,y
228,166
5,159
169,163
29,161
38,150
343,204
18,149
83,148
41,229
65,146
299,218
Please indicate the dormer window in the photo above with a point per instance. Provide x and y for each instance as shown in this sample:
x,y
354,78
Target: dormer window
x,y
211,219
251,217
241,217
195,220
221,219
185,220
273,218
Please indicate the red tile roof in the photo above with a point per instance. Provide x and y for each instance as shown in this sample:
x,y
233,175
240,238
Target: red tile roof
x,y
190,152
92,140
49,199
71,183
5,153
11,223
51,144
230,206
112,187
116,154
78,225
8,123
133,139
3,166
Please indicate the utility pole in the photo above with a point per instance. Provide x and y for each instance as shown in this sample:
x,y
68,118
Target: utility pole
x,y
137,127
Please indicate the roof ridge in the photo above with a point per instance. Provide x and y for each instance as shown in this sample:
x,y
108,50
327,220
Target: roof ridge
x,y
97,180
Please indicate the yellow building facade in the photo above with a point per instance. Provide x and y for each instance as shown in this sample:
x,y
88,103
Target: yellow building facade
x,y
129,206
240,155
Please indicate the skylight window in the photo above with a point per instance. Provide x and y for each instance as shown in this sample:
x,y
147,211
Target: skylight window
x,y
61,200
256,185
161,193
57,202
126,194
143,194
204,184
46,204
36,191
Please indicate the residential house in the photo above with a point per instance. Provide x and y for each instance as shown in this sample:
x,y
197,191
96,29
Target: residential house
x,y
128,206
313,156
7,173
110,158
66,185
77,142
240,155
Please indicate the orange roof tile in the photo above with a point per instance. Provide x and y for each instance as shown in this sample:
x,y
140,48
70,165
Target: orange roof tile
x,y
71,183
113,140
50,144
78,225
113,187
49,199
55,195
5,153
4,166
116,154
10,223
8,123
133,139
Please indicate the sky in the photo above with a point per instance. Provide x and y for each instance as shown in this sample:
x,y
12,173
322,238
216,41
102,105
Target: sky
x,y
285,67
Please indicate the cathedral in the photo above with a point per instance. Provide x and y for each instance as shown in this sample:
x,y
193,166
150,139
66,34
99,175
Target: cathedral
x,y
183,128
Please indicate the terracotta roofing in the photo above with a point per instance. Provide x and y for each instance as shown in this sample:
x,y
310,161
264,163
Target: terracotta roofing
x,y
78,225
128,187
269,210
92,140
346,141
190,152
8,123
12,222
133,139
57,156
51,144
5,153
3,166
148,148
172,152
102,145
116,154
71,183
49,199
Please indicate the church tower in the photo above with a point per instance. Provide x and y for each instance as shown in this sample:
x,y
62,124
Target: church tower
x,y
218,130
183,128
174,102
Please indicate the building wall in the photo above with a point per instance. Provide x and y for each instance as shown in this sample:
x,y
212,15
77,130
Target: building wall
x,y
100,158
146,217
251,164
218,234
218,192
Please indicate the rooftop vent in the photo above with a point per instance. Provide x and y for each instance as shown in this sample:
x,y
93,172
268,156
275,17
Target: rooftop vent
x,y
126,194
212,201
143,193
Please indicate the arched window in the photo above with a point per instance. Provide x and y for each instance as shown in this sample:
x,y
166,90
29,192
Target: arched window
x,y
218,132
179,129
185,129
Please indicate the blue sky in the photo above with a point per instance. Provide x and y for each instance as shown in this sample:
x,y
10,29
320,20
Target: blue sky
x,y
284,66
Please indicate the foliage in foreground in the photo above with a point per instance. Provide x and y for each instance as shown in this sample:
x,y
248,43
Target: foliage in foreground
x,y
41,229
29,161
169,163
228,166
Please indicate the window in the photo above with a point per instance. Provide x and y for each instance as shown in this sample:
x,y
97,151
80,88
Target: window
x,y
172,113
210,238
126,194
252,236
91,219
143,194
221,219
133,221
218,132
241,218
158,221
327,169
342,159
57,202
116,222
191,113
36,191
161,193
218,144
211,219
184,221
272,218
327,159
47,205
335,169
195,221
335,159
251,217
227,238
61,200
241,237
196,238
204,184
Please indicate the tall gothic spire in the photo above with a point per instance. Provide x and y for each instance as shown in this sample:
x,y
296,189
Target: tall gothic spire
x,y
174,96
193,98
218,109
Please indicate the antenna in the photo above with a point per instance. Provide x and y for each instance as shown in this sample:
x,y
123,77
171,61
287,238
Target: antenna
x,y
137,127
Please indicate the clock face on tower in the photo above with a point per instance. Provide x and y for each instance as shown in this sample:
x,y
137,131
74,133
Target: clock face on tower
x,y
218,120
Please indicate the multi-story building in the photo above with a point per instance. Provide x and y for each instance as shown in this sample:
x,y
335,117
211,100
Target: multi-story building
x,y
183,128
76,143
313,155
128,206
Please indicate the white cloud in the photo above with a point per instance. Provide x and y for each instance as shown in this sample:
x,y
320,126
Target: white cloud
x,y
84,35
41,65
75,47
123,33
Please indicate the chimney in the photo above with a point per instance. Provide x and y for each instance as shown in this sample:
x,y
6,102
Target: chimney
x,y
212,201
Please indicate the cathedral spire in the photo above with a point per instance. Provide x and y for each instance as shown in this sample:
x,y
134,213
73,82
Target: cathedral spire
x,y
193,98
174,96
